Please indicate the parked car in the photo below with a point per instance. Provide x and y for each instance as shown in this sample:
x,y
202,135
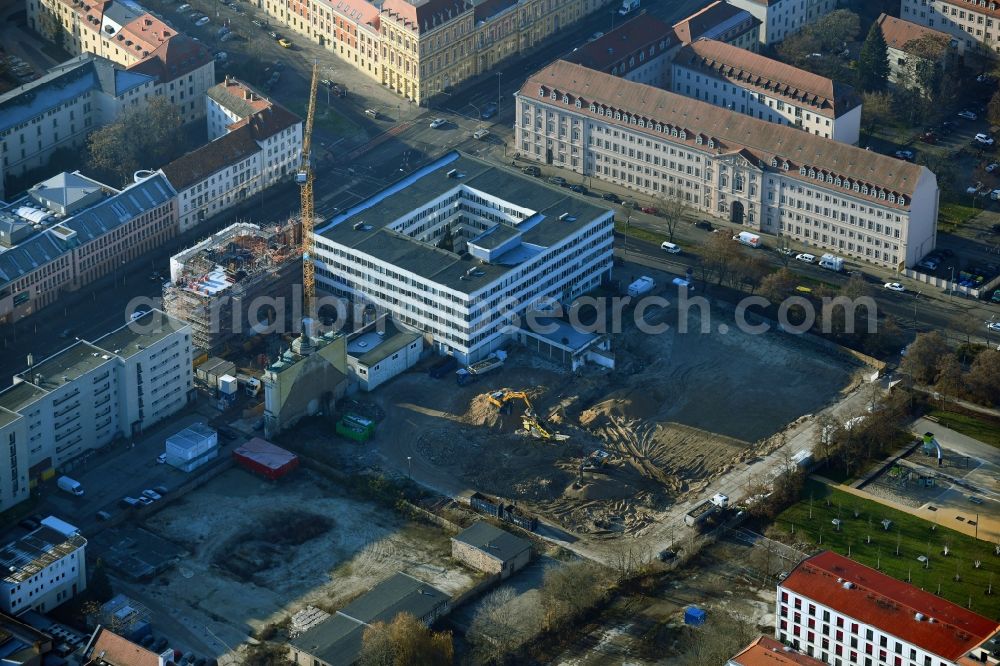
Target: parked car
x,y
103,516
371,113
163,490
967,115
29,524
531,171
480,134
611,196
438,122
161,459
260,24
227,433
904,154
993,325
274,34
996,296
489,111
928,137
649,210
702,224
806,258
991,167
579,189
557,180
894,286
160,645
202,21
285,44
983,139
930,263
151,494
129,502
145,501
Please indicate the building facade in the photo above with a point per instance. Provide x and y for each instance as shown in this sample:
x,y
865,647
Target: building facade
x,y
91,393
752,84
258,149
640,49
44,568
901,38
847,614
975,25
14,486
766,650
781,18
460,249
421,49
491,550
59,110
723,22
772,178
70,230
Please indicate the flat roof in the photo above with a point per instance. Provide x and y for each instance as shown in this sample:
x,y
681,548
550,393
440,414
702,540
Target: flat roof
x,y
364,228
892,605
493,541
402,593
7,416
264,452
561,332
140,334
20,395
66,366
371,347
337,640
33,552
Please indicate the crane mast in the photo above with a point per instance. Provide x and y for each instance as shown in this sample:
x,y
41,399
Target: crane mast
x,y
304,177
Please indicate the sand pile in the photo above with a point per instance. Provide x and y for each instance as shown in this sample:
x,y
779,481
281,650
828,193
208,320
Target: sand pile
x,y
628,404
482,412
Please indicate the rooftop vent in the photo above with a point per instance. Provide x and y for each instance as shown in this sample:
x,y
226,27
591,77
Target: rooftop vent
x,y
358,226
848,585
919,617
452,173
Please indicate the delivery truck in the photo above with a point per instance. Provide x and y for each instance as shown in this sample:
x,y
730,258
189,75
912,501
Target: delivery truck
x,y
643,285
831,263
747,238
70,486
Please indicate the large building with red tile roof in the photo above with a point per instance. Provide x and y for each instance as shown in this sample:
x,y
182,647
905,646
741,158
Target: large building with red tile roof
x,y
766,651
771,177
254,144
107,648
845,613
125,34
781,18
902,39
640,49
752,84
974,24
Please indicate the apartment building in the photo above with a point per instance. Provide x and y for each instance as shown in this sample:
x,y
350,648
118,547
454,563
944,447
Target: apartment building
x,y
975,24
723,22
60,108
752,84
126,34
43,569
255,151
460,249
419,49
90,393
847,614
14,487
766,651
781,18
70,230
641,50
773,178
900,37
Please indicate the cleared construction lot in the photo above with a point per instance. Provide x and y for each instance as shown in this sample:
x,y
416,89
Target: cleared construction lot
x,y
259,550
679,409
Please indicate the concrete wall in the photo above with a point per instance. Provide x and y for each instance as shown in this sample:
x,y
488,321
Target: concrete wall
x,y
482,561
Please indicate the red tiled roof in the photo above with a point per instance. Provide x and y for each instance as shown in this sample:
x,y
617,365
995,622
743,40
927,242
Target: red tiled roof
x,y
238,97
268,122
972,6
706,18
214,156
767,651
731,132
636,34
360,11
176,57
889,604
113,649
898,33
147,34
423,15
773,77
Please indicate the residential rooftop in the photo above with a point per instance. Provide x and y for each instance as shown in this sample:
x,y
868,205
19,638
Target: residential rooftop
x,y
7,416
140,334
898,33
614,49
546,216
895,607
20,395
30,554
493,541
238,97
768,651
712,21
66,366
701,126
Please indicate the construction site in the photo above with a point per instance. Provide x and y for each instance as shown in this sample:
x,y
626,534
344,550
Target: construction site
x,y
219,285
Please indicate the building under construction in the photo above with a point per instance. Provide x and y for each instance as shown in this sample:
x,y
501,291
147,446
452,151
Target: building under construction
x,y
236,284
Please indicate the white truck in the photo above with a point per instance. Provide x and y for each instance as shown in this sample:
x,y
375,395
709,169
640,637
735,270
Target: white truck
x,y
747,238
832,263
720,500
643,285
70,486
628,6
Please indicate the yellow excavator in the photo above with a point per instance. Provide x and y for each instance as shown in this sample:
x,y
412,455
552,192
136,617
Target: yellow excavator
x,y
529,419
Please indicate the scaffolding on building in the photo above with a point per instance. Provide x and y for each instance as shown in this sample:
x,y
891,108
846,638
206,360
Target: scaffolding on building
x,y
214,284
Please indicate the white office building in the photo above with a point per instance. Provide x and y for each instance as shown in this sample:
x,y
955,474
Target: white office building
x,y
781,18
770,177
460,249
748,83
847,614
90,393
43,569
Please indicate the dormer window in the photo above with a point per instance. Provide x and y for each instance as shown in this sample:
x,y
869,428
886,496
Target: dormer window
x,y
553,95
565,98
902,200
698,140
784,166
541,91
881,194
864,189
659,127
802,171
812,173
579,104
711,143
642,122
593,107
892,197
774,162
618,115
673,131
838,182
683,134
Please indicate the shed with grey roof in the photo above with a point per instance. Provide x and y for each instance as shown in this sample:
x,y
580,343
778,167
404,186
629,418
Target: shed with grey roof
x,y
491,549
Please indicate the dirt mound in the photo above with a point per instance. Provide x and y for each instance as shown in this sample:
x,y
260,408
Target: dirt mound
x,y
629,404
482,412
600,489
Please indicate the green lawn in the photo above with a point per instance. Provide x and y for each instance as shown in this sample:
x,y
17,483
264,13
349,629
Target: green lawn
x,y
955,214
915,537
327,117
985,430
639,233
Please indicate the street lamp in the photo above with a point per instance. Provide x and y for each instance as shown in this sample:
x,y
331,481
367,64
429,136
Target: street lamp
x,y
625,251
498,94
915,297
951,282
409,467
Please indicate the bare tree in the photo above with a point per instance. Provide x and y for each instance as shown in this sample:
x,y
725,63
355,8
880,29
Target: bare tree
x,y
921,360
721,637
569,590
501,625
405,642
672,210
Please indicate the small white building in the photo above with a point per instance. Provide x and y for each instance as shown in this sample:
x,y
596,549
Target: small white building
x,y
192,447
44,568
379,352
781,18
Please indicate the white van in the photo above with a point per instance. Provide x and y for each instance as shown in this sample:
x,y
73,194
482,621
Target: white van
x,y
183,8
670,247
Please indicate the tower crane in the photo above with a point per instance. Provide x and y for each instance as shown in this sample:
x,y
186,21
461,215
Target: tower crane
x,y
304,177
